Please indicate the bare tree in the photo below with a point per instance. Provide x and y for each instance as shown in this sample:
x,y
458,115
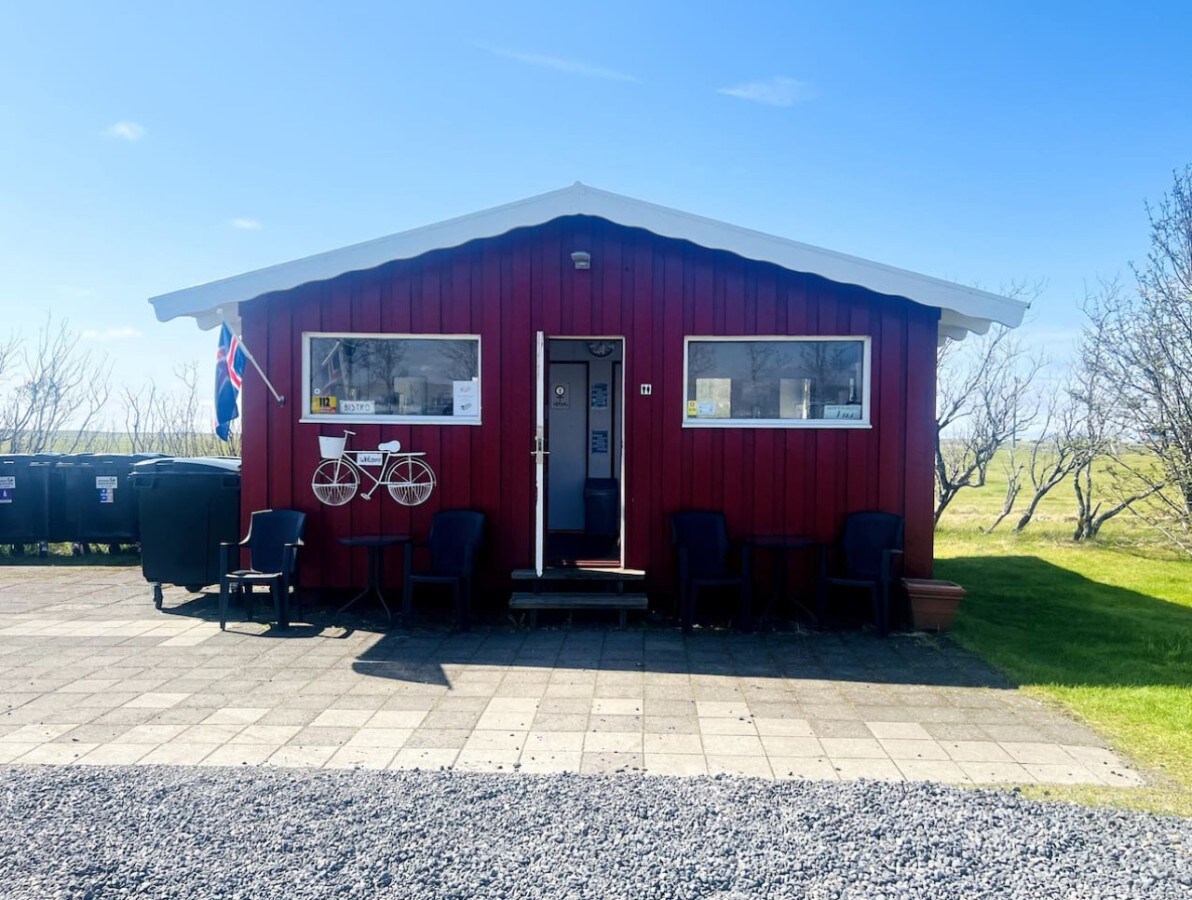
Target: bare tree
x,y
1014,467
139,417
59,395
8,355
1106,479
1144,340
169,421
1056,453
984,399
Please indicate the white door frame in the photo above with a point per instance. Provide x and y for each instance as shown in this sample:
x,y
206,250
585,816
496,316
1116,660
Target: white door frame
x,y
620,428
539,452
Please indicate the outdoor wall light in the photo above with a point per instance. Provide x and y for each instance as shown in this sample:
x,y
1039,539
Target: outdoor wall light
x,y
582,259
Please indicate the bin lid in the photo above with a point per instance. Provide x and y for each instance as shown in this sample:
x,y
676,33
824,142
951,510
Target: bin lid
x,y
110,459
600,484
192,465
30,459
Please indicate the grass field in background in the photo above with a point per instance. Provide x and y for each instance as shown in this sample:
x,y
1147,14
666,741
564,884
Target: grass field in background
x,y
1102,628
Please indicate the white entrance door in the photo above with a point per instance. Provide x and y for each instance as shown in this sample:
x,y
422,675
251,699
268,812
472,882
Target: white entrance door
x,y
540,452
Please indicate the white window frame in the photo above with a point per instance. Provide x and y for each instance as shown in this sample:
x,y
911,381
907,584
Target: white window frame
x,y
709,422
352,419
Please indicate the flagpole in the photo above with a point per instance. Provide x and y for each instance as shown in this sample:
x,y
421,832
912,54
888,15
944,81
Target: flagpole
x,y
276,396
281,401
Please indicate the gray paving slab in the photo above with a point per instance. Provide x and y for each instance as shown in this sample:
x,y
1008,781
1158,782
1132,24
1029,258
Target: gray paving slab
x,y
91,674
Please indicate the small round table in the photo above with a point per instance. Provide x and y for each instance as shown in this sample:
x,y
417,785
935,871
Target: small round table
x,y
375,544
780,546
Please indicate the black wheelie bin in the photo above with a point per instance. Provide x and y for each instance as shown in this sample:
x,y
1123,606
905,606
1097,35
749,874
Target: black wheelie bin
x,y
602,507
187,507
102,506
25,500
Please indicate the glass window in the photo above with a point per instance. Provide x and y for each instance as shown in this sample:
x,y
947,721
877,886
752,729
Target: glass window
x,y
392,378
777,382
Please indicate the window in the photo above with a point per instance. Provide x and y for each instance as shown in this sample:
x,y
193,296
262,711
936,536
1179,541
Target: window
x,y
777,382
391,378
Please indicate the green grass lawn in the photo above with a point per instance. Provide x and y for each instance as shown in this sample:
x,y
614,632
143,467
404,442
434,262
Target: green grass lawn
x,y
1104,629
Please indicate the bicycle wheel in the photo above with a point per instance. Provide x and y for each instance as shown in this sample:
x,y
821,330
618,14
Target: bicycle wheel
x,y
410,481
335,482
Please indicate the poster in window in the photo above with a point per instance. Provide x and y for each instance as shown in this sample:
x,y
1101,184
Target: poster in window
x,y
600,395
464,399
714,396
842,411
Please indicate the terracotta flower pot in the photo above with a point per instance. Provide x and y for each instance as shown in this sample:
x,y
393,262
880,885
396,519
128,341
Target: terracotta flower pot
x,y
933,603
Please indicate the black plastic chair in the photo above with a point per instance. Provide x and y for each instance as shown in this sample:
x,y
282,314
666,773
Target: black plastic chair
x,y
454,542
273,539
700,538
864,558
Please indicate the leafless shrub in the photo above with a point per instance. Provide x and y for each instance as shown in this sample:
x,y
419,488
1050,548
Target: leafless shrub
x,y
984,399
55,393
168,420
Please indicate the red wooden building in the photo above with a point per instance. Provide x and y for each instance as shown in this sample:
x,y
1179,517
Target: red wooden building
x,y
695,364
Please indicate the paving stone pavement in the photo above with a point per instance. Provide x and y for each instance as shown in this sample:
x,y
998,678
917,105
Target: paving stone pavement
x,y
92,674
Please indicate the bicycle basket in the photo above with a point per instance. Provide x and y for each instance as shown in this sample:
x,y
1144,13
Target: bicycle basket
x,y
331,447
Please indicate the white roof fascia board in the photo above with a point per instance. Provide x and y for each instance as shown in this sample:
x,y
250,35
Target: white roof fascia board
x,y
965,309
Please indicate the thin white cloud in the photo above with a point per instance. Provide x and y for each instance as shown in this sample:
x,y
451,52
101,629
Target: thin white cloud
x,y
246,224
125,131
559,64
106,335
777,91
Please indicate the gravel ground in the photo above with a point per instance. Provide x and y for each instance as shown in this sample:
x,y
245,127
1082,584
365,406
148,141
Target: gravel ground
x,y
260,832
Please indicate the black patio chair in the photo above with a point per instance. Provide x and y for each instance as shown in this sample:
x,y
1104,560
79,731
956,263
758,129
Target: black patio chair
x,y
454,543
273,539
864,558
701,542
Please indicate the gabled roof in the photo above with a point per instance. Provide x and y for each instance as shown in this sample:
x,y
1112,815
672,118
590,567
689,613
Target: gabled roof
x,y
963,309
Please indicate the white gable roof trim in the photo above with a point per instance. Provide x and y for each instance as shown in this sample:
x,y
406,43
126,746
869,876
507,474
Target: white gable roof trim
x,y
963,309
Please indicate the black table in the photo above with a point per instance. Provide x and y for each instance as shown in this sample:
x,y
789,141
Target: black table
x,y
375,544
780,546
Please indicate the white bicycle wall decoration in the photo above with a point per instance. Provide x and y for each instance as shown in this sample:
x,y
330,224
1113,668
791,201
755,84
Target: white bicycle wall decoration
x,y
337,478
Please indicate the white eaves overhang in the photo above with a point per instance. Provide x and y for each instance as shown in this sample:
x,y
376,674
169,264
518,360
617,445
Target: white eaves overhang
x,y
963,309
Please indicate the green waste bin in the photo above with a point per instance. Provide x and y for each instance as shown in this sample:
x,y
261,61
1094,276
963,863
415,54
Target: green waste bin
x,y
187,508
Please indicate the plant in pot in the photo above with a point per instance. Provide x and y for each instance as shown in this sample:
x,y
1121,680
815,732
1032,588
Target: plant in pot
x,y
933,603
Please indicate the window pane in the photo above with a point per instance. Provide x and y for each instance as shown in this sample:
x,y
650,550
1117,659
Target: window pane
x,y
395,376
775,379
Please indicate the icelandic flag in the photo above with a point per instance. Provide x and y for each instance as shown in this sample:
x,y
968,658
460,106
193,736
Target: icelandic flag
x,y
230,360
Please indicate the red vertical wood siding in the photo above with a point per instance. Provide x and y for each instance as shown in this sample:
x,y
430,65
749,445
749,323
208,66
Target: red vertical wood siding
x,y
650,290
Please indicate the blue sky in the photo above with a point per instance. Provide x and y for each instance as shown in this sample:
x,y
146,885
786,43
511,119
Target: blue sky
x,y
151,146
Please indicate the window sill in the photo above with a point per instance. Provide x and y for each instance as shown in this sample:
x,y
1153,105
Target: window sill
x,y
792,424
389,420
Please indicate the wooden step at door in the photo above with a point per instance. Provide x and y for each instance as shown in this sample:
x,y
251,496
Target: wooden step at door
x,y
532,601
580,573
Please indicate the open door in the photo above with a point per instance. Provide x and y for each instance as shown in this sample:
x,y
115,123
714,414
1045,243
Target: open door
x,y
579,509
540,452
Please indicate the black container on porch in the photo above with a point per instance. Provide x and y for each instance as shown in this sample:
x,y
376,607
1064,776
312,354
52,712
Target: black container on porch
x,y
602,501
187,508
